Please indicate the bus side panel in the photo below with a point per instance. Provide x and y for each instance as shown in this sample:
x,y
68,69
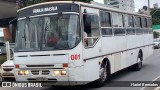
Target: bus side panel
x,y
131,52
91,69
139,40
145,52
108,45
131,41
119,43
112,45
123,60
117,62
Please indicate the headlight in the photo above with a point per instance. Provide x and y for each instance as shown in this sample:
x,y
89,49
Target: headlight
x,y
59,72
56,73
63,72
23,72
20,72
26,72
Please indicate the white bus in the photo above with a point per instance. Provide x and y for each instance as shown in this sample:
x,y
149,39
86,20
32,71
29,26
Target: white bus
x,y
79,42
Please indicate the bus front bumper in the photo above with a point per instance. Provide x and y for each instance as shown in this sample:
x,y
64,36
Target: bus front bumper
x,y
50,79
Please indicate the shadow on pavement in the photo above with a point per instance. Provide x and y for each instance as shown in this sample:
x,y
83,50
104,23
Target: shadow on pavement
x,y
81,87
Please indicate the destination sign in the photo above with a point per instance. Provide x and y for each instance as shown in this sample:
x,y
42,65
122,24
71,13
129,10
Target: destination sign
x,y
48,8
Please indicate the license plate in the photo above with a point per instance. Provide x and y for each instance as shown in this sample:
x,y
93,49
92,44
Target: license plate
x,y
41,79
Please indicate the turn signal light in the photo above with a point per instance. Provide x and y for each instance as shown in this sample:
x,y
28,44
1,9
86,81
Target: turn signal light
x,y
17,66
65,65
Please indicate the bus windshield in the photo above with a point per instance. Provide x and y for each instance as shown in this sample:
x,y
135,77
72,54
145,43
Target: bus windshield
x,y
54,32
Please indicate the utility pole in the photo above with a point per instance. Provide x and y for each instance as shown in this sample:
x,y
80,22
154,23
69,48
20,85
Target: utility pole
x,y
149,4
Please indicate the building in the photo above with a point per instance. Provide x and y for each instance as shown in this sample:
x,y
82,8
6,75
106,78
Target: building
x,y
127,5
155,5
8,12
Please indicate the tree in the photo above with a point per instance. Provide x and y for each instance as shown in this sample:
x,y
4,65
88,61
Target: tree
x,y
156,34
155,16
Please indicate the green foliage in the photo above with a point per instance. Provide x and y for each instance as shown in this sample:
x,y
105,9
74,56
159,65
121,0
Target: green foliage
x,y
156,34
3,58
155,16
31,2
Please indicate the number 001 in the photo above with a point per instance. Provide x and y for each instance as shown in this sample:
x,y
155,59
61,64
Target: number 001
x,y
75,57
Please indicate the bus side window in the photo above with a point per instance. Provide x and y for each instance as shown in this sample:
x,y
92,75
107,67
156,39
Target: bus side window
x,y
91,28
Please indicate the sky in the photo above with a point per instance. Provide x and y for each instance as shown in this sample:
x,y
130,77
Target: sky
x,y
139,3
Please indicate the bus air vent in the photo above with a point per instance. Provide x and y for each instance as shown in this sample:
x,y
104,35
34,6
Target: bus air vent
x,y
39,55
45,72
35,72
40,65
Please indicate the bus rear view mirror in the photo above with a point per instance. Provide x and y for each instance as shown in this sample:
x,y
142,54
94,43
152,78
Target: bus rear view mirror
x,y
87,23
2,44
87,20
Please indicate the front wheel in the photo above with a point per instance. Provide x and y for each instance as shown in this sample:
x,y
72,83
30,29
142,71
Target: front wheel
x,y
103,75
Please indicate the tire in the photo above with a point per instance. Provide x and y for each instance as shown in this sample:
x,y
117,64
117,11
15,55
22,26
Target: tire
x,y
104,75
0,79
138,65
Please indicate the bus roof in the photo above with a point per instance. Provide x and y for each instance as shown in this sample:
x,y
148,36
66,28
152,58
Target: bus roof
x,y
102,6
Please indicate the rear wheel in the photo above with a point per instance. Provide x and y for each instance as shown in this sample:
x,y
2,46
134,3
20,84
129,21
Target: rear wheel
x,y
138,65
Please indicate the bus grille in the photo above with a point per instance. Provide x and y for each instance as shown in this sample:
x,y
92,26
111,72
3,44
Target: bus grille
x,y
8,69
37,72
45,72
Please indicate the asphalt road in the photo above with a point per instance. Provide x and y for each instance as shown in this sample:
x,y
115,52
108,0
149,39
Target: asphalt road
x,y
149,72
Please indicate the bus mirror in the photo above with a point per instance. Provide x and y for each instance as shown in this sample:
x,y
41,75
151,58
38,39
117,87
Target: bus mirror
x,y
2,44
87,20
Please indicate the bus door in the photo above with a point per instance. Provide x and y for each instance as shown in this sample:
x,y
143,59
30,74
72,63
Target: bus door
x,y
91,38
